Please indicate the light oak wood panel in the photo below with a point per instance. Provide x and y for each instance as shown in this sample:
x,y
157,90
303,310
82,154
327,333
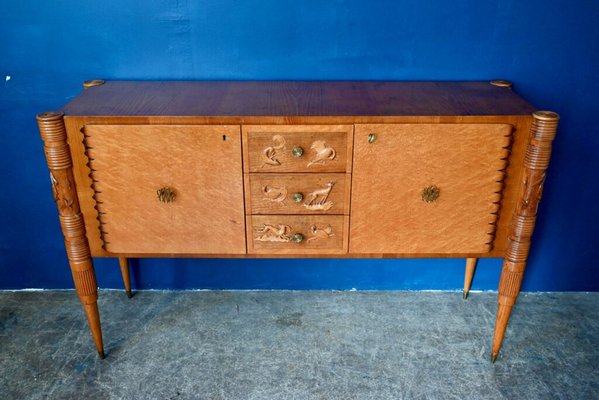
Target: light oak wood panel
x,y
75,125
272,234
320,193
466,162
269,148
202,166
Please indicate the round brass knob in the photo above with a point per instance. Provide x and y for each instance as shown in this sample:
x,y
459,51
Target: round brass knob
x,y
297,238
430,193
166,194
297,197
371,138
297,151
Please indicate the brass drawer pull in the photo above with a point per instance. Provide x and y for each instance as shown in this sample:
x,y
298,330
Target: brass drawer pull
x,y
297,197
371,138
166,195
297,151
430,193
297,238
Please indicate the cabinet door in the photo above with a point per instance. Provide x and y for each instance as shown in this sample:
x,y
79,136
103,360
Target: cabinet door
x,y
427,188
168,189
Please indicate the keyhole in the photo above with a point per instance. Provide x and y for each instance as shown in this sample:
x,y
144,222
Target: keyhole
x,y
224,138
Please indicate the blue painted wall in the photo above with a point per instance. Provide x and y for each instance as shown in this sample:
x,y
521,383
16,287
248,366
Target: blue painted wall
x,y
548,48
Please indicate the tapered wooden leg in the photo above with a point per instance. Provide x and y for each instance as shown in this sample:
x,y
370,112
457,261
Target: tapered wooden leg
x,y
58,156
124,263
536,162
470,268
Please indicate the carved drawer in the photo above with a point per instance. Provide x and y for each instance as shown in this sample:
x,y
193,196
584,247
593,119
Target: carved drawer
x,y
427,188
298,148
168,189
298,193
291,234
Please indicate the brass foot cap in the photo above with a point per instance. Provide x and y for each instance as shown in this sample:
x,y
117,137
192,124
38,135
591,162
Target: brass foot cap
x,y
494,358
92,83
502,83
101,354
129,294
465,296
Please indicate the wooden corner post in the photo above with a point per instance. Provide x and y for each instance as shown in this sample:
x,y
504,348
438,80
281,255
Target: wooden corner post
x,y
536,162
58,156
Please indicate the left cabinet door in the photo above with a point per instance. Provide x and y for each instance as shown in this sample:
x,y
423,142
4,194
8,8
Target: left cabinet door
x,y
168,189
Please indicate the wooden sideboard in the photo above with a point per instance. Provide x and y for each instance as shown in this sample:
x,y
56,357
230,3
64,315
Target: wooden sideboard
x,y
298,169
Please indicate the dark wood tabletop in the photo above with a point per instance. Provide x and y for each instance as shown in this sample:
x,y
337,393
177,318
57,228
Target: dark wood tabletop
x,y
296,98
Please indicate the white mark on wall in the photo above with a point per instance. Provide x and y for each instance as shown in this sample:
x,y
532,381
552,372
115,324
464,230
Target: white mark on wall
x,y
7,78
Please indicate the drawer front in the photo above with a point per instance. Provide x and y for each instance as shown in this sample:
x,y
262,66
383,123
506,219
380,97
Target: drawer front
x,y
168,189
299,193
277,234
427,188
298,148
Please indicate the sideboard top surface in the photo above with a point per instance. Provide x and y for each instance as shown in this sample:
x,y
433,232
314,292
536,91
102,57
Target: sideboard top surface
x,y
296,99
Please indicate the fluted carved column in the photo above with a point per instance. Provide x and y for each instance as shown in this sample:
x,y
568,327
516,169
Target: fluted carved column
x,y
536,162
58,156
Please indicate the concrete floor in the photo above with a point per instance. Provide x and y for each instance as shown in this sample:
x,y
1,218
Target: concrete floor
x,y
298,345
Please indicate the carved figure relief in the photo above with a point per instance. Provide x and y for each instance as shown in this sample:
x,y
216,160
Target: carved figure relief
x,y
273,233
269,154
317,200
533,189
323,151
320,233
62,197
275,194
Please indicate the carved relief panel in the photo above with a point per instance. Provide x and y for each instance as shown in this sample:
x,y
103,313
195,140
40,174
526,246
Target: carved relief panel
x,y
298,193
298,148
294,234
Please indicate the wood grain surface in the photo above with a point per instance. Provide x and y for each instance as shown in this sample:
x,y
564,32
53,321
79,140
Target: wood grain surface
x,y
280,140
439,169
202,165
536,162
289,99
60,164
465,161
263,188
303,224
76,125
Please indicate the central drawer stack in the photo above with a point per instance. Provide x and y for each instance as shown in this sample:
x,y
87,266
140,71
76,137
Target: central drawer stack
x,y
297,188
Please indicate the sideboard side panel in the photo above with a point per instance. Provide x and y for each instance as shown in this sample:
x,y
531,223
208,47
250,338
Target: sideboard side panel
x,y
84,182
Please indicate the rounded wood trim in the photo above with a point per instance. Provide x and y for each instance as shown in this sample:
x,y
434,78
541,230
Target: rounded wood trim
x,y
546,115
502,83
92,83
